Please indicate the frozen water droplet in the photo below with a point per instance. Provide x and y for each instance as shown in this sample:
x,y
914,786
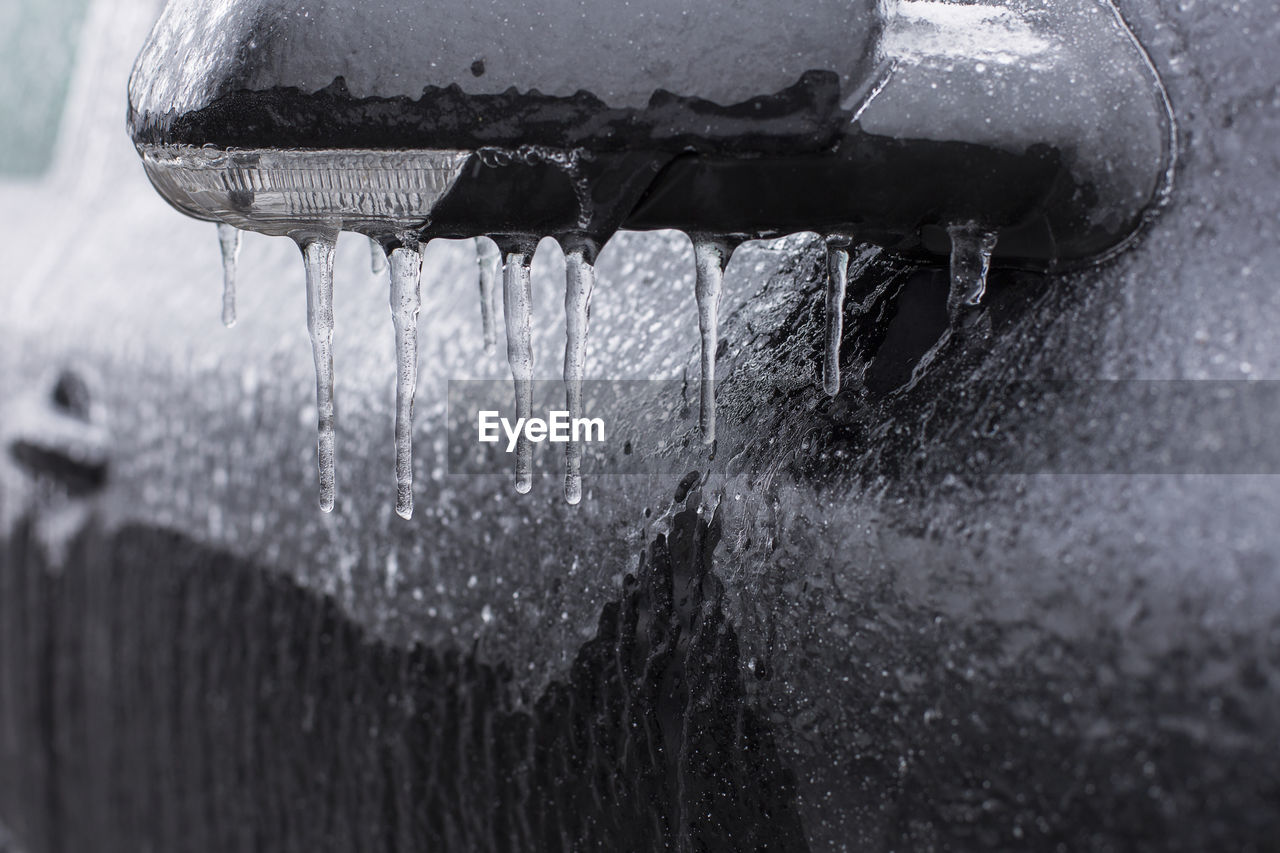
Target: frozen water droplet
x,y
580,281
837,283
317,251
229,241
971,248
489,259
517,298
711,256
406,302
377,257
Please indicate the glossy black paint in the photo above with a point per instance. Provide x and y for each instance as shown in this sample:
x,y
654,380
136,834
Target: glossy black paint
x,y
193,702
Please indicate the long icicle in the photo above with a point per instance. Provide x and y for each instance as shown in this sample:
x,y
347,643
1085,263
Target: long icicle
x,y
377,257
837,284
971,248
711,257
489,259
517,298
580,281
317,251
406,302
229,242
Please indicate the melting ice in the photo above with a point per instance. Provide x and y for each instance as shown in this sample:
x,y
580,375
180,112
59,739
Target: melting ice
x,y
711,257
317,251
517,300
971,248
406,302
837,283
489,259
377,257
580,281
229,242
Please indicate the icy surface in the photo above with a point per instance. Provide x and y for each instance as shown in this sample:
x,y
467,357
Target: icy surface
x,y
384,48
1075,660
278,191
937,32
1012,74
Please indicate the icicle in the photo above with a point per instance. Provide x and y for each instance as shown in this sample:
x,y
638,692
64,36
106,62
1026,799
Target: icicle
x,y
711,257
229,240
843,266
318,253
489,258
406,301
971,248
517,296
377,257
837,283
580,281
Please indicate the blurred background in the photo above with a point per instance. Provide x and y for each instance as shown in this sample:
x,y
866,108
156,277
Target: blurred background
x,y
39,47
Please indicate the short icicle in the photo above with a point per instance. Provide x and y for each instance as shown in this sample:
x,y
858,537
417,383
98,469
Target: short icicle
x,y
517,300
229,241
837,284
377,257
406,302
317,251
580,281
711,256
489,259
971,248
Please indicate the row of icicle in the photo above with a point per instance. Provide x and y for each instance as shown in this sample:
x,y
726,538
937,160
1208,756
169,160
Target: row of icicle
x,y
971,250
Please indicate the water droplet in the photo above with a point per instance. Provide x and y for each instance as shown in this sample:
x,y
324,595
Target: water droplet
x,y
377,257
406,302
517,298
317,251
971,248
489,259
711,256
229,241
580,281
